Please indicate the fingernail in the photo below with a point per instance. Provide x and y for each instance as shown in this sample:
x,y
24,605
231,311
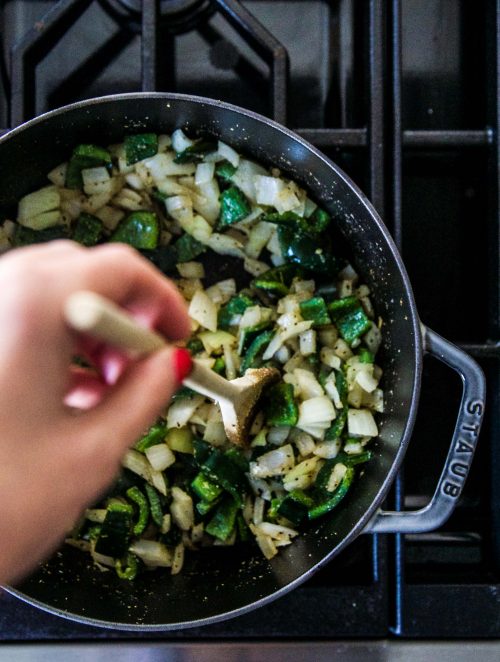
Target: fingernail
x,y
183,363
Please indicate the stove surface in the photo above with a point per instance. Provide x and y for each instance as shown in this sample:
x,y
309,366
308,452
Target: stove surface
x,y
403,95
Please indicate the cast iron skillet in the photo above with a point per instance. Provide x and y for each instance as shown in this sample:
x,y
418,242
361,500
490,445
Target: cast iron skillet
x,y
222,583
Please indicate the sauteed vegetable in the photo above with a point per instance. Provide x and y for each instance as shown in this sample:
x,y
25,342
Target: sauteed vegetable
x,y
302,310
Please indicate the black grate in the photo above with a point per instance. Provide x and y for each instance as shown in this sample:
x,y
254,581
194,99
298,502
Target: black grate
x,y
404,96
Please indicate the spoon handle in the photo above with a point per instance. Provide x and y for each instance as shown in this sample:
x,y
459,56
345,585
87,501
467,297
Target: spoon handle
x,y
100,318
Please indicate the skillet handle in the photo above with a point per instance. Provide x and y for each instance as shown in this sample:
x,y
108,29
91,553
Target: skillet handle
x,y
463,443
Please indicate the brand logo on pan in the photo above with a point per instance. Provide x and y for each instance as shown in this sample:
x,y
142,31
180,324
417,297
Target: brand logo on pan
x,y
459,464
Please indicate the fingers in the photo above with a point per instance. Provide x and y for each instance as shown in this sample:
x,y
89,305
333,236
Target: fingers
x,y
140,395
86,389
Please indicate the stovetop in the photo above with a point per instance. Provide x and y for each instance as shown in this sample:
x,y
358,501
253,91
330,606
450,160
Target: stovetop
x,y
403,95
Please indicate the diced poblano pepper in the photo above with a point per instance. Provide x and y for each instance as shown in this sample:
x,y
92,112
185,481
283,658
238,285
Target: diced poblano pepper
x,y
324,502
188,248
197,151
155,435
295,506
225,472
222,523
349,317
303,248
114,536
24,236
129,568
219,366
319,220
140,229
256,348
83,157
365,356
205,488
234,207
88,230
140,146
280,406
140,500
154,504
235,306
315,309
277,280
225,171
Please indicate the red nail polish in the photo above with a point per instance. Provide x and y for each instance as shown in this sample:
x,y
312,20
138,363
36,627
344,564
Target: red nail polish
x,y
183,363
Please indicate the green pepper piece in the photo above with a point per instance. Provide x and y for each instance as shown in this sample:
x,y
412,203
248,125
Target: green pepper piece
x,y
220,365
288,219
222,523
243,530
277,280
249,333
257,346
116,530
135,495
183,392
319,220
280,407
204,507
222,470
188,248
83,157
365,356
295,506
194,345
164,258
140,146
235,306
202,451
205,488
93,533
324,504
224,171
341,384
234,207
305,250
338,424
353,325
155,435
197,151
341,307
139,229
26,236
127,569
236,456
315,309
154,504
88,230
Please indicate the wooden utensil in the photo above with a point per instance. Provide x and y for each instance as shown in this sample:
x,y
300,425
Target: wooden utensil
x,y
238,399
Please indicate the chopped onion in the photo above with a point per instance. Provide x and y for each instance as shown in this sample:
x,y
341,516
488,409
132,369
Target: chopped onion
x,y
180,141
278,435
308,384
307,342
204,173
302,476
282,336
152,553
180,411
178,559
160,456
277,532
360,423
191,269
328,449
203,310
317,411
181,509
228,153
274,463
338,473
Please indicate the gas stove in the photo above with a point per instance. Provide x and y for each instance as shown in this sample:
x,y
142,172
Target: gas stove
x,y
404,96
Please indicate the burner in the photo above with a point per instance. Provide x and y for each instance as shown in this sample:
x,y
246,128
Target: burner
x,y
176,16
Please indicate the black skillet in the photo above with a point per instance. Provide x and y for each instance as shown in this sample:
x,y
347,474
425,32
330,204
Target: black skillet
x,y
222,583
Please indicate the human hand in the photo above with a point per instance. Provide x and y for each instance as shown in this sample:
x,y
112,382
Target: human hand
x,y
53,461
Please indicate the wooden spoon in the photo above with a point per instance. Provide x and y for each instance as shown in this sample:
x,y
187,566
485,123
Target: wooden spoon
x,y
96,316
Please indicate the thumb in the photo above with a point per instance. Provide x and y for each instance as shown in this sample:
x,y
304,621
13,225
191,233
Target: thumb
x,y
139,396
